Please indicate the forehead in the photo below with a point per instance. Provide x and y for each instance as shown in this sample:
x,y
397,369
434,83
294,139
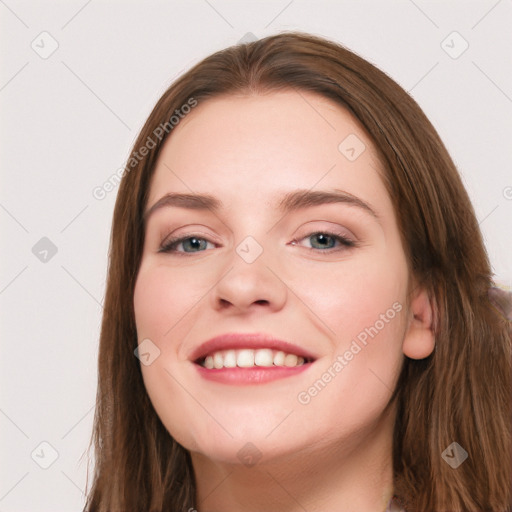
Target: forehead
x,y
250,148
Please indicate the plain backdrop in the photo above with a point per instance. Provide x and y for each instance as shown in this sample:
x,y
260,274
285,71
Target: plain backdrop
x,y
78,79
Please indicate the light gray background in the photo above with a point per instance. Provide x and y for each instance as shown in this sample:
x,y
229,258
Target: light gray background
x,y
68,122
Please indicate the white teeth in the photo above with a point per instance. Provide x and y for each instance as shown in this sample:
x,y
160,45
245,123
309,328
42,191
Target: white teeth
x,y
229,359
245,358
264,357
289,360
248,358
279,358
218,361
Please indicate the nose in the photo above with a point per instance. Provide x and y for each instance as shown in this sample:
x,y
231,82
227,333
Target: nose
x,y
248,286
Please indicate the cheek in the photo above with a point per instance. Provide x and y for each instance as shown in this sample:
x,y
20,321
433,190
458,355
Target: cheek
x,y
162,298
349,296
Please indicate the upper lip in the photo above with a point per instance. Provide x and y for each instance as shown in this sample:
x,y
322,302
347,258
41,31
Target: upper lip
x,y
234,340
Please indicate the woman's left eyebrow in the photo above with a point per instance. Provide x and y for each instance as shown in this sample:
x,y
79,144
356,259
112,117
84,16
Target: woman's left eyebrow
x,y
304,198
291,201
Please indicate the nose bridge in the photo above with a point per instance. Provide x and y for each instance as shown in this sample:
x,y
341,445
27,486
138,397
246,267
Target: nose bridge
x,y
249,280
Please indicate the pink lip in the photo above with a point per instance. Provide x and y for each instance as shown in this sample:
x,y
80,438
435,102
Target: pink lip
x,y
247,340
254,375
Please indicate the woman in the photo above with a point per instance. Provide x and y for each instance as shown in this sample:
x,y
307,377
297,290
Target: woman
x,y
299,271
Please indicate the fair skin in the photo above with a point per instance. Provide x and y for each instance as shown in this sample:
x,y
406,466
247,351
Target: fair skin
x,y
332,450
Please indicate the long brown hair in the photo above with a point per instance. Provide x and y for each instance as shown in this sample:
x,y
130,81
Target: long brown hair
x,y
461,393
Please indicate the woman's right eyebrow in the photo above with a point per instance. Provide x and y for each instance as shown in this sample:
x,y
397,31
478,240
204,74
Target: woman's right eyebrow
x,y
291,201
181,200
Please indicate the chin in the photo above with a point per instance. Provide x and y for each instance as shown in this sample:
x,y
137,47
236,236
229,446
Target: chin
x,y
246,452
247,443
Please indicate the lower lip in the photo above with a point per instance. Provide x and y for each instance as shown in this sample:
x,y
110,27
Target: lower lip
x,y
253,375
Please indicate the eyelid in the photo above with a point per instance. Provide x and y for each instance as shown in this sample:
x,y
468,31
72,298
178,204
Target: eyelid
x,y
328,227
189,231
186,235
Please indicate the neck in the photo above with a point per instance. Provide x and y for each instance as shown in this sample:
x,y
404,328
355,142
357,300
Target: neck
x,y
354,477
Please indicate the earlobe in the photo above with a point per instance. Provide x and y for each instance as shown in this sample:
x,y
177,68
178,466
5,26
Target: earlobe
x,y
419,339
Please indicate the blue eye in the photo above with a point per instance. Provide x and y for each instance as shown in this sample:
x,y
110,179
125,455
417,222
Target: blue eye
x,y
326,241
190,244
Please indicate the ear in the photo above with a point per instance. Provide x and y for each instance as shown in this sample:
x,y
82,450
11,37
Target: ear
x,y
419,340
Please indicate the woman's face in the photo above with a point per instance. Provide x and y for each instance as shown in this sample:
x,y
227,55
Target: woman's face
x,y
266,254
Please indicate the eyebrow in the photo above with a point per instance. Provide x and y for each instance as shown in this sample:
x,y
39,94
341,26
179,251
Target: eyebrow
x,y
292,201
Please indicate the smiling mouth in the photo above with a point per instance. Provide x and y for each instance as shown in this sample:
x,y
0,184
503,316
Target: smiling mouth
x,y
251,358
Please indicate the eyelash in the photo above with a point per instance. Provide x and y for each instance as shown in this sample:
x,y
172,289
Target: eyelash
x,y
346,243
